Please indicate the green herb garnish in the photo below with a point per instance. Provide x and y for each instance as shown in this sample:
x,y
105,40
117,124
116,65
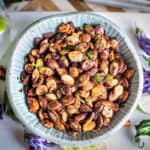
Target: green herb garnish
x,y
147,59
97,78
143,128
90,55
138,31
37,65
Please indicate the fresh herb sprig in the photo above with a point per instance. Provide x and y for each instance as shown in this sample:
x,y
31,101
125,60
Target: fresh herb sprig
x,y
143,128
97,78
147,59
90,55
37,65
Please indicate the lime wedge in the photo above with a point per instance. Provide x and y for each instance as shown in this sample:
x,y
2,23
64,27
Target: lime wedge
x,y
3,24
144,104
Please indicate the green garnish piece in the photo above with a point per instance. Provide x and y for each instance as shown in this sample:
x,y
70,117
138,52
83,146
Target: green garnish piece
x,y
90,55
37,65
143,123
139,31
3,24
82,101
143,128
147,59
97,78
81,28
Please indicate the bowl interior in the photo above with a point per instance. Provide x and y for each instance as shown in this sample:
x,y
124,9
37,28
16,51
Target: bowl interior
x,y
22,47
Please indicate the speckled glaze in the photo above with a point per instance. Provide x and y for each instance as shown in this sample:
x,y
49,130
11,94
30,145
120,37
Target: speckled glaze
x,y
23,45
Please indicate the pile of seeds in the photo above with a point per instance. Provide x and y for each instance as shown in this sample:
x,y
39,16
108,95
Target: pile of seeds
x,y
75,79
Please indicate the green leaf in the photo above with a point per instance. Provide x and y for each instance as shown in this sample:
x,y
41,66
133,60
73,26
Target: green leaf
x,y
97,78
147,59
143,128
137,139
7,108
138,30
90,55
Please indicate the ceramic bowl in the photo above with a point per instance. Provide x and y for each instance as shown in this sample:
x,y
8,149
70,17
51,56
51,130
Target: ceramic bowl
x,y
24,44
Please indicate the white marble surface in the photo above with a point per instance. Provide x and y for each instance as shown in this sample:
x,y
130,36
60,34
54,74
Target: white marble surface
x,y
11,133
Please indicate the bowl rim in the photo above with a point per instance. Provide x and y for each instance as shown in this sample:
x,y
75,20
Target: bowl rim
x,y
96,139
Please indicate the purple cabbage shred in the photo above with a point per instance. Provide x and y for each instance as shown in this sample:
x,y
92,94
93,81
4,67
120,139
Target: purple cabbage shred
x,y
143,40
146,88
37,143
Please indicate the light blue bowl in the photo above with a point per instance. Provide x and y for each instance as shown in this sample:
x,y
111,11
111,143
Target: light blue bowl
x,y
22,47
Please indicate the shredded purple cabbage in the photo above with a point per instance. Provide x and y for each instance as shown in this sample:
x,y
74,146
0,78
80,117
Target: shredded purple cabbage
x,y
37,143
144,43
143,40
1,111
146,88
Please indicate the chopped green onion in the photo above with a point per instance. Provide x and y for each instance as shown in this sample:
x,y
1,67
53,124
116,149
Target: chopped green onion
x,y
138,31
90,55
38,65
142,129
97,78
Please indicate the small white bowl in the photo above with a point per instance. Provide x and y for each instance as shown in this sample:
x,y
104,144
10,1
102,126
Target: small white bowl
x,y
23,45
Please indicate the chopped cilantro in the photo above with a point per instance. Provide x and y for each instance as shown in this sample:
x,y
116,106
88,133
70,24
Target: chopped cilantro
x,y
90,55
138,31
37,65
97,78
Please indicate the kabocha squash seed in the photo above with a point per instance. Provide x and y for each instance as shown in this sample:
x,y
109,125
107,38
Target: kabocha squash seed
x,y
76,79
